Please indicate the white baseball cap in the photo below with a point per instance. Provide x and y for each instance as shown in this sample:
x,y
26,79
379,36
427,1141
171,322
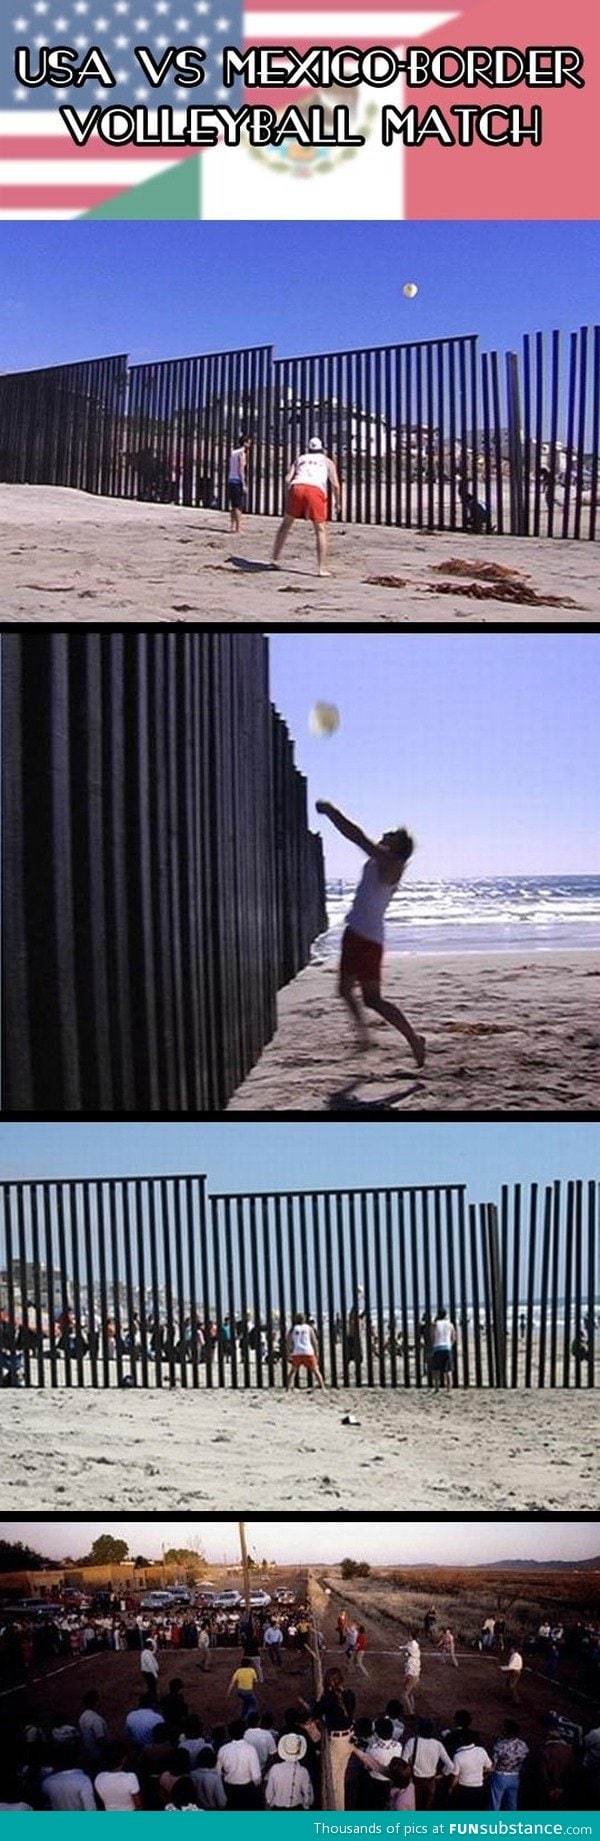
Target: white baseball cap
x,y
315,445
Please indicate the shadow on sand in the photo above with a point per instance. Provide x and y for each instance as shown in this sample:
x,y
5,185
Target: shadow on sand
x,y
346,1099
249,567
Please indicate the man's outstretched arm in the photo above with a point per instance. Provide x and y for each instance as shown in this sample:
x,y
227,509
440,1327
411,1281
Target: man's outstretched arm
x,y
352,832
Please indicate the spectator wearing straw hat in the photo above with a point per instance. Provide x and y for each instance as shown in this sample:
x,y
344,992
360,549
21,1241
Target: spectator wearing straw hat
x,y
288,1784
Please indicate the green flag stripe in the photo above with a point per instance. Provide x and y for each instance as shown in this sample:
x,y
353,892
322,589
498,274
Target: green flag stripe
x,y
175,193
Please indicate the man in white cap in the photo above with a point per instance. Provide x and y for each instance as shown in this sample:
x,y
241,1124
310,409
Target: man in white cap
x,y
288,1784
308,482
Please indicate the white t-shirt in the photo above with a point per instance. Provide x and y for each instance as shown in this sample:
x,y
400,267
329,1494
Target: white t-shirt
x,y
442,1337
412,1659
238,1763
372,899
263,1742
515,1663
425,1755
148,1663
470,1761
302,1340
235,465
382,1750
311,470
117,1790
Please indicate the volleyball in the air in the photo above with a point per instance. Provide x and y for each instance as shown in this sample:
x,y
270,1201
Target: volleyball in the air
x,y
324,719
410,290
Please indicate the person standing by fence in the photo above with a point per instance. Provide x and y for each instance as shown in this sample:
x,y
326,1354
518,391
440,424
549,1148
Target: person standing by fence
x,y
303,1350
238,483
308,482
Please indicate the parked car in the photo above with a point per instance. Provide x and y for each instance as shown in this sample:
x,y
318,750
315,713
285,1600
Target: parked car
x,y
259,1600
226,1601
158,1601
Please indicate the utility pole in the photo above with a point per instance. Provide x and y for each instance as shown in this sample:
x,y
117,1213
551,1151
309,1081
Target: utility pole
x,y
245,1566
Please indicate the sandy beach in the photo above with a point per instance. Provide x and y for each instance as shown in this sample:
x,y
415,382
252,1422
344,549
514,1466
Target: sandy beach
x,y
504,1033
70,556
161,1452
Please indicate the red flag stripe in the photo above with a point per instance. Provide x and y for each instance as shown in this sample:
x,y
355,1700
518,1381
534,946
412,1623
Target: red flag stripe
x,y
49,147
57,198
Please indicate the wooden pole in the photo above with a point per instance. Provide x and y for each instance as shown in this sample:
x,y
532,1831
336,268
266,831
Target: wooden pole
x,y
245,1566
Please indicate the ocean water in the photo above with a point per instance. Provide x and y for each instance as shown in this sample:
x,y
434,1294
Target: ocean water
x,y
503,914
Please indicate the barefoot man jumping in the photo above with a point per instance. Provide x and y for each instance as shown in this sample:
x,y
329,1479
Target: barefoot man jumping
x,y
362,945
307,483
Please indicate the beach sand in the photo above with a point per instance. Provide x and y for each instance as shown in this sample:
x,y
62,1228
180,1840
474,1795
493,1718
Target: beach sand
x,y
70,556
161,1452
504,1033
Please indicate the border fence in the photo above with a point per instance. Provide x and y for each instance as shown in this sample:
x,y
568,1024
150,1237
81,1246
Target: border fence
x,y
159,879
433,435
152,1282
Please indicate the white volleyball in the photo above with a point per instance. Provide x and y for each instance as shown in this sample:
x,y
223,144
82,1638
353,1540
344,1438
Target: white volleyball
x,y
324,719
410,290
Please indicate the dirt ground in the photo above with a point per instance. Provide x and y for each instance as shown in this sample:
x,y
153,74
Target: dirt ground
x,y
57,1690
68,555
477,1682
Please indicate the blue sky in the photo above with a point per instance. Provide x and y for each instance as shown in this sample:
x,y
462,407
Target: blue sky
x,y
80,290
419,1542
280,1156
487,746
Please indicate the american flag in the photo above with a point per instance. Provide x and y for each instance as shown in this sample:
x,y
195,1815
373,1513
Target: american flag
x,y
44,174
42,171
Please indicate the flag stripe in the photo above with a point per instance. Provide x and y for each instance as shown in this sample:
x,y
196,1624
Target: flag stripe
x,y
18,172
51,151
26,197
318,26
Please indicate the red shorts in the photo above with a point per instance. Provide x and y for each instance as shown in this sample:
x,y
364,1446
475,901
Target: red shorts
x,y
361,959
307,502
303,1361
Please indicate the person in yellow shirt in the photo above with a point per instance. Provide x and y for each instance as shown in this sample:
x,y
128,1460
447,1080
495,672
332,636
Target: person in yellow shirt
x,y
243,1682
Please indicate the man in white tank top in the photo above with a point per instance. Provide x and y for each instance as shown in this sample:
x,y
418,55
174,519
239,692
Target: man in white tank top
x,y
303,1350
308,483
238,482
362,945
443,1338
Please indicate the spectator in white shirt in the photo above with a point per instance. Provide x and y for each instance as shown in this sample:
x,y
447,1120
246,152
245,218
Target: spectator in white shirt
x,y
238,1765
472,1766
428,1758
288,1784
383,1745
261,1737
117,1789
